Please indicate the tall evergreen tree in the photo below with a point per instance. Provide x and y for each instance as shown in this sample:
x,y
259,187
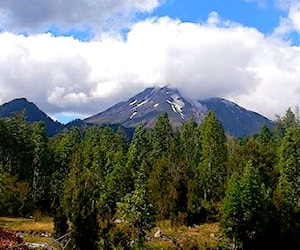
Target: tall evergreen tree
x,y
62,149
190,144
161,136
17,147
167,185
245,209
262,155
121,180
265,136
287,194
282,124
290,160
137,210
41,169
81,198
137,151
213,165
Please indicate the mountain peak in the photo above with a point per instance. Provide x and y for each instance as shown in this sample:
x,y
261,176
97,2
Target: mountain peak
x,y
21,100
148,104
32,114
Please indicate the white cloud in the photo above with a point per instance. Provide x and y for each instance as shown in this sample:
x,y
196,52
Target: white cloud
x,y
294,16
36,15
217,58
261,3
290,23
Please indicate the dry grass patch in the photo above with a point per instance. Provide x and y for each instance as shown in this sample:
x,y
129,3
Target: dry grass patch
x,y
205,236
27,225
35,226
8,219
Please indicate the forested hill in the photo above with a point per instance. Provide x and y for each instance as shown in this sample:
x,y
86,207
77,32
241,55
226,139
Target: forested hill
x,y
108,192
32,114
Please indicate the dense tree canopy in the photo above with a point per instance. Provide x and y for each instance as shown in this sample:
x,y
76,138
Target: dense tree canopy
x,y
108,191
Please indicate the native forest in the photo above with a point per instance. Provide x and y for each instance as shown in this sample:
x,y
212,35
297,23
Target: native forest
x,y
109,191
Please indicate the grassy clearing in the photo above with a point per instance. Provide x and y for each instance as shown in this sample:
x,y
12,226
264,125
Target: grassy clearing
x,y
27,225
31,229
205,236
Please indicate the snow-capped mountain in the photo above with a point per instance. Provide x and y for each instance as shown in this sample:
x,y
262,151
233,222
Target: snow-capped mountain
x,y
147,105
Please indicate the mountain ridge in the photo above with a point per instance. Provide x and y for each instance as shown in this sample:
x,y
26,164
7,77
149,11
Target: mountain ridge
x,y
144,108
146,105
32,114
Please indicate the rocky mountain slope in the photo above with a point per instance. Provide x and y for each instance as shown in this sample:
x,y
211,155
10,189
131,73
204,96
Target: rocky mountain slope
x,y
147,105
32,114
235,119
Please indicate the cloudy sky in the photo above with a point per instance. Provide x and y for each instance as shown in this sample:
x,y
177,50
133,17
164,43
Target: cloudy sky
x,y
74,58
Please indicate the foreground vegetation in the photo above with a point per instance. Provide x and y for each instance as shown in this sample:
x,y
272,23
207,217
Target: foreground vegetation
x,y
206,235
30,230
109,193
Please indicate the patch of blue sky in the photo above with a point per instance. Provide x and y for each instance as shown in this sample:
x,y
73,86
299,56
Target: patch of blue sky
x,y
293,38
82,34
265,18
64,119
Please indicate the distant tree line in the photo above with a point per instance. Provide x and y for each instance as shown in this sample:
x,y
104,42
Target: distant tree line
x,y
108,191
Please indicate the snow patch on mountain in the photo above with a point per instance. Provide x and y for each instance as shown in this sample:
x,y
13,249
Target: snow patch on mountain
x,y
228,103
177,104
133,102
141,104
148,104
132,115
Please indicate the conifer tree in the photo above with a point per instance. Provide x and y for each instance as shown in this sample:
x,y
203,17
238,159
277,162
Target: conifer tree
x,y
287,194
161,136
138,150
137,210
213,167
282,124
290,160
190,144
285,217
1,183
62,148
245,209
265,136
41,169
121,180
18,147
81,198
167,185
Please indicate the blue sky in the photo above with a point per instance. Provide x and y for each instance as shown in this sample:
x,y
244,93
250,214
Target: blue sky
x,y
74,58
251,14
263,16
